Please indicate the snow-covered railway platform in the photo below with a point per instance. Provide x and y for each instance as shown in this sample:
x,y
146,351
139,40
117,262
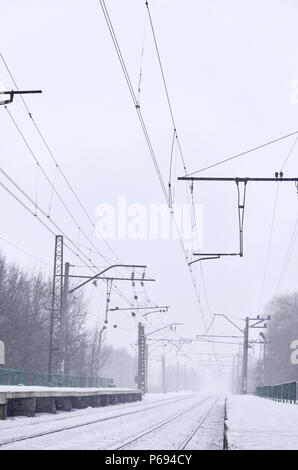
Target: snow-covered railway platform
x,y
255,423
26,401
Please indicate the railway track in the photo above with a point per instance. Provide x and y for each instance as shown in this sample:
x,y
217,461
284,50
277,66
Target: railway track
x,y
143,409
184,444
79,413
162,424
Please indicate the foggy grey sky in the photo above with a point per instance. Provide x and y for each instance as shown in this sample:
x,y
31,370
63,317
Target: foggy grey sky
x,y
229,67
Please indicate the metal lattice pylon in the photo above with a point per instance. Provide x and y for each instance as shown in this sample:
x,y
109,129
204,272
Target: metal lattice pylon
x,y
141,358
56,308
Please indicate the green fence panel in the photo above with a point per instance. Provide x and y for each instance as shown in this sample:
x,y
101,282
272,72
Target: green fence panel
x,y
22,377
286,392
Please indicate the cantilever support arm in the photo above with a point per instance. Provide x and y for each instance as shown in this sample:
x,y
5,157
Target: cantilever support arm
x,y
12,93
241,190
236,179
206,256
98,276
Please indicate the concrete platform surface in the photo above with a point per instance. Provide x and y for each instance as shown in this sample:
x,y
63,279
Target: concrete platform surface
x,y
21,400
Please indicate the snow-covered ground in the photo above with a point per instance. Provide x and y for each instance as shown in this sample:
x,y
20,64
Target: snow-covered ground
x,y
173,434
261,424
115,426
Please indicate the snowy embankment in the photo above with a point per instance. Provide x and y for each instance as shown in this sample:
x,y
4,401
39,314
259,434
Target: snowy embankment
x,y
261,424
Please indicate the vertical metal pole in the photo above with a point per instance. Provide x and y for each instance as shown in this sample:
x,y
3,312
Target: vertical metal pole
x,y
147,367
141,358
245,357
56,307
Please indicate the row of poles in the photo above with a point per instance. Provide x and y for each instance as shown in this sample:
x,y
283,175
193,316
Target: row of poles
x,y
144,353
58,362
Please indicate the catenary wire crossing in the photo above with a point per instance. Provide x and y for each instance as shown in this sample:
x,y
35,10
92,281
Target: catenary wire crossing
x,y
138,110
52,185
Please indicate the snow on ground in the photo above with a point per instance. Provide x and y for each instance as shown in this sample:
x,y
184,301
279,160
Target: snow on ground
x,y
20,424
210,436
111,426
169,437
261,424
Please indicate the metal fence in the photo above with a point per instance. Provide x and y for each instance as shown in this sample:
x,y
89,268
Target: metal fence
x,y
282,392
23,377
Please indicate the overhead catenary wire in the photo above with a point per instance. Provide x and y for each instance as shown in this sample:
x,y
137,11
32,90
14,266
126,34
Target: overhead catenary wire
x,y
59,197
171,196
138,110
69,185
288,255
75,250
42,212
133,96
244,153
293,235
32,153
289,154
175,136
230,158
57,166
269,247
25,252
141,62
32,213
